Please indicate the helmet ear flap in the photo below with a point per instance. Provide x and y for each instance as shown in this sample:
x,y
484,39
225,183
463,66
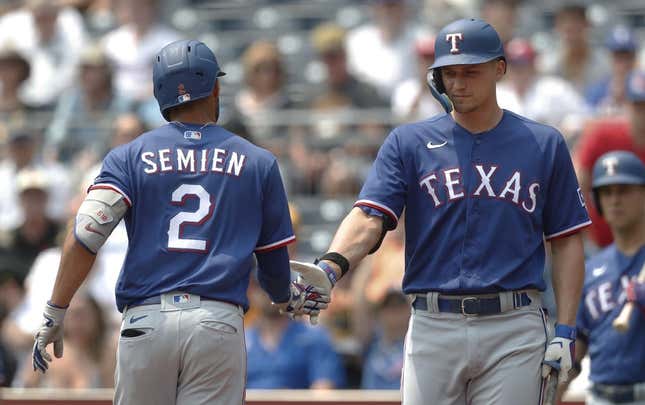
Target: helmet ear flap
x,y
438,81
438,90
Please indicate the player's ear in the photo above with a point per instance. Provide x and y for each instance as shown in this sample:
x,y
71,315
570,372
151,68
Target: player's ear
x,y
500,68
216,89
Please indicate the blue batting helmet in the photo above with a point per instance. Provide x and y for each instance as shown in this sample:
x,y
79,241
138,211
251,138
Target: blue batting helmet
x,y
184,71
467,42
617,167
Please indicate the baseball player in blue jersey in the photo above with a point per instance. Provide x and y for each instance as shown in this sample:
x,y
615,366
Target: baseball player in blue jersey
x,y
617,358
198,202
482,189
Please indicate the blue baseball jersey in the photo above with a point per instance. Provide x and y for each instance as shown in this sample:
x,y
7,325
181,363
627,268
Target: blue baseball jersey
x,y
616,358
202,201
477,206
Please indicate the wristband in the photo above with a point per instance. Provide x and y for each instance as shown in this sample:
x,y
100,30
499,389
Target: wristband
x,y
337,258
51,304
565,331
331,274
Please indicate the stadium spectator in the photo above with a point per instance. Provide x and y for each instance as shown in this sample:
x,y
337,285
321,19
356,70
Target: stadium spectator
x,y
575,58
82,119
607,96
264,92
383,360
502,15
37,232
126,128
283,353
51,38
611,134
11,293
84,341
132,46
22,148
548,99
381,52
340,178
303,165
14,71
411,100
329,42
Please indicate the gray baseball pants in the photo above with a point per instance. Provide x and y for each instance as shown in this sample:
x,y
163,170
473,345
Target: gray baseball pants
x,y
184,351
455,359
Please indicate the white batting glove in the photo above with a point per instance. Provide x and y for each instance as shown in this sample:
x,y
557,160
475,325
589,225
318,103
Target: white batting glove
x,y
560,353
303,300
321,277
51,331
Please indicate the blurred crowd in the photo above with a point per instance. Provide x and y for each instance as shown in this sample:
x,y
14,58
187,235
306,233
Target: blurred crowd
x,y
75,79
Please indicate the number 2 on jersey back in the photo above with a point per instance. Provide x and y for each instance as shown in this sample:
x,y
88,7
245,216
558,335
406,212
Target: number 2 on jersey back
x,y
204,211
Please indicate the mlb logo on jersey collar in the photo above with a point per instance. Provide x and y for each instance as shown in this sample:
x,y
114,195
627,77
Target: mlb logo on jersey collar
x,y
196,135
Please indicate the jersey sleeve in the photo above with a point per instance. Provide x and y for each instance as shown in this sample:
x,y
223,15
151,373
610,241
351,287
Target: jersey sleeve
x,y
115,175
276,229
386,185
565,211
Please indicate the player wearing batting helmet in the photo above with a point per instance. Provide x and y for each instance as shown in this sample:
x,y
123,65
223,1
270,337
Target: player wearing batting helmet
x,y
198,203
611,279
482,189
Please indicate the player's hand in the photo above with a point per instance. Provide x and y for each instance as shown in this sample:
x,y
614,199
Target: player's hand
x,y
51,331
322,278
303,300
560,352
636,293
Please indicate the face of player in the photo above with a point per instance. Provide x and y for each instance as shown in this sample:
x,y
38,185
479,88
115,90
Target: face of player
x,y
623,205
471,87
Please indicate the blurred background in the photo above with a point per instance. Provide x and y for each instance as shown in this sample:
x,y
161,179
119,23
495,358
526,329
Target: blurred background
x,y
320,83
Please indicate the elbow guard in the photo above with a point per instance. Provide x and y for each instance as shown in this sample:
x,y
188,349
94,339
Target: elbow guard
x,y
97,217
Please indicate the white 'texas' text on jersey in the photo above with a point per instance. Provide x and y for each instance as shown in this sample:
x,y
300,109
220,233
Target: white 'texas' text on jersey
x,y
451,179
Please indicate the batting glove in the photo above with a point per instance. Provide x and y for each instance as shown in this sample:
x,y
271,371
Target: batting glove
x,y
51,331
560,352
320,276
303,300
636,293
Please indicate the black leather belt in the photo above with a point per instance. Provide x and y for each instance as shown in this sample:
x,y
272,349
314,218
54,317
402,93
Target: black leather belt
x,y
471,305
618,394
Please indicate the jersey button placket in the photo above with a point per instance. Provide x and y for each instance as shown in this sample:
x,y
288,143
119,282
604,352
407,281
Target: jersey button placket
x,y
466,177
472,208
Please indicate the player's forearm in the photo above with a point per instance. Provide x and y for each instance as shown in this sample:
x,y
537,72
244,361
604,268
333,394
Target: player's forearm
x,y
75,265
356,236
568,276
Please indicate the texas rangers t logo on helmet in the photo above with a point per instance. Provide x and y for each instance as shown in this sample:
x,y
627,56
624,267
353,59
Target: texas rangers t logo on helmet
x,y
454,40
610,164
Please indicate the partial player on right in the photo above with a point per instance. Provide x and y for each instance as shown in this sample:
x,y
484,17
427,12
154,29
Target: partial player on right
x,y
617,359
